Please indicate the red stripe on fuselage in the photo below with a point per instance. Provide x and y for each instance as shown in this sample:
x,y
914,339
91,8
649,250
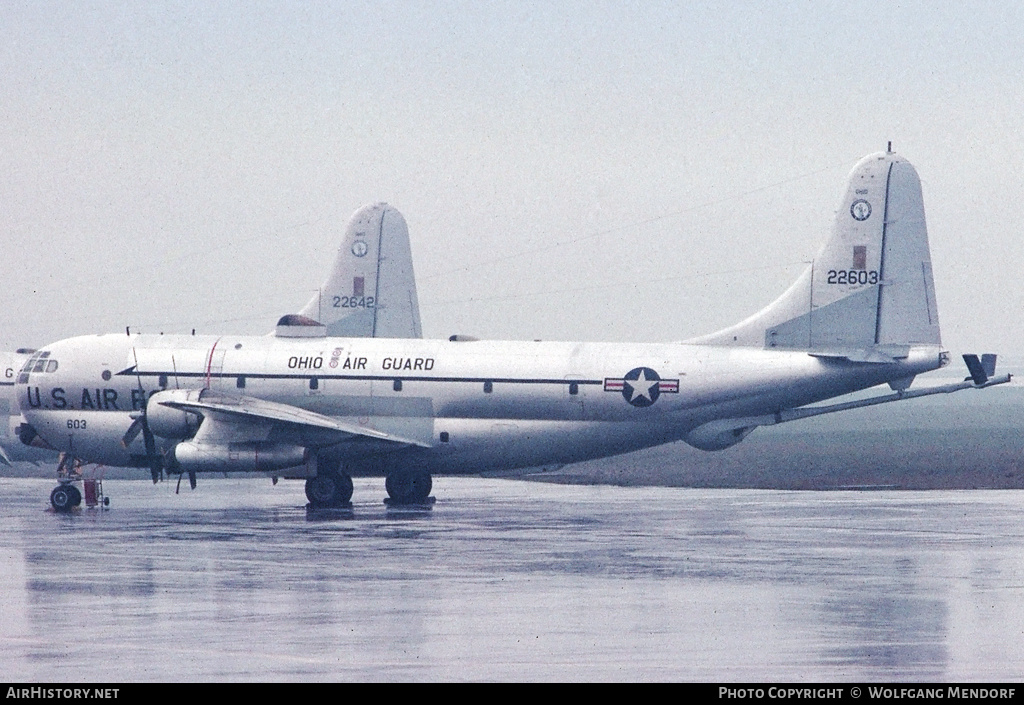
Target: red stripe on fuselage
x,y
209,362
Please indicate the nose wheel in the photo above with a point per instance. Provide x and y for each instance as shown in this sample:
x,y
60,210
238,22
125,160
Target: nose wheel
x,y
65,497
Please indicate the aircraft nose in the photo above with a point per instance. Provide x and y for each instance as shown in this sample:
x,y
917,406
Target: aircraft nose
x,y
28,435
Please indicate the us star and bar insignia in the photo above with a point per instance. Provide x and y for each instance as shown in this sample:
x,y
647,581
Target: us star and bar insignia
x,y
641,386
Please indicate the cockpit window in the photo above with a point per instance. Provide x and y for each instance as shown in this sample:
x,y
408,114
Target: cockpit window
x,y
39,362
27,367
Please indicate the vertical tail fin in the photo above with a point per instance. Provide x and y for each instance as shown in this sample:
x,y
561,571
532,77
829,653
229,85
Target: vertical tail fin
x,y
870,287
371,291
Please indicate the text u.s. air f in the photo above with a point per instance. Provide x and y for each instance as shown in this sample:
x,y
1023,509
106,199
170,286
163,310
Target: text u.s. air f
x,y
311,401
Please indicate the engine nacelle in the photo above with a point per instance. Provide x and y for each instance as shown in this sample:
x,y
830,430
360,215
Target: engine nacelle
x,y
252,456
718,435
172,423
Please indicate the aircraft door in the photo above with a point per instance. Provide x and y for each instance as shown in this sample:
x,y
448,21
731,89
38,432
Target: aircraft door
x,y
215,366
574,396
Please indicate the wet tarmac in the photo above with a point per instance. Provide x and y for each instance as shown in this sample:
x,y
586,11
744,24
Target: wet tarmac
x,y
511,581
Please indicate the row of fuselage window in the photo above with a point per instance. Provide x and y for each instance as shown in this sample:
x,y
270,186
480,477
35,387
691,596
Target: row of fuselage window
x,y
41,362
314,383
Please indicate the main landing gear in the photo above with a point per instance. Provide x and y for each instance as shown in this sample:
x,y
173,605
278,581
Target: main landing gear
x,y
329,488
408,487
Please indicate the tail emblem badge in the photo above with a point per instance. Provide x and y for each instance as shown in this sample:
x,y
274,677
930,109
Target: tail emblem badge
x,y
860,209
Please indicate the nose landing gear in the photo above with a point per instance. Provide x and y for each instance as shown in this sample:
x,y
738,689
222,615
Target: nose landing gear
x,y
66,495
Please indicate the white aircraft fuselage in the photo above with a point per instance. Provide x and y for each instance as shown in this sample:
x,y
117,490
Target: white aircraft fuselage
x,y
471,406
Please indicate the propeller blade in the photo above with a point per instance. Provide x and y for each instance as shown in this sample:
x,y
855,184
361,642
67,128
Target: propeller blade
x,y
192,478
156,465
133,431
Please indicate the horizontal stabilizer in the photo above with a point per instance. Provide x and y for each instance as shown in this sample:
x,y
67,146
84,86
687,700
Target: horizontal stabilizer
x,y
883,354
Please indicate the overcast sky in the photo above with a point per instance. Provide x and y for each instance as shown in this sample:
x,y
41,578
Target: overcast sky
x,y
638,171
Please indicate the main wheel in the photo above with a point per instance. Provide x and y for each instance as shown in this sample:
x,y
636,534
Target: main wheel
x,y
329,489
342,488
62,499
408,487
76,496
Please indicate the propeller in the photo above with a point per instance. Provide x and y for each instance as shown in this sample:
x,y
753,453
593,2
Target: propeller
x,y
153,457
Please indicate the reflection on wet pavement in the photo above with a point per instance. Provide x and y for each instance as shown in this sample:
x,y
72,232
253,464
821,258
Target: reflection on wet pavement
x,y
509,580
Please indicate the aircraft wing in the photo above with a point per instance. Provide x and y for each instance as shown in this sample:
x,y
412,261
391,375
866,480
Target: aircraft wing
x,y
232,419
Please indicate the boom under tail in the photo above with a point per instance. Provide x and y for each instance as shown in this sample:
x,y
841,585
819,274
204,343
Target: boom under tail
x,y
869,294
